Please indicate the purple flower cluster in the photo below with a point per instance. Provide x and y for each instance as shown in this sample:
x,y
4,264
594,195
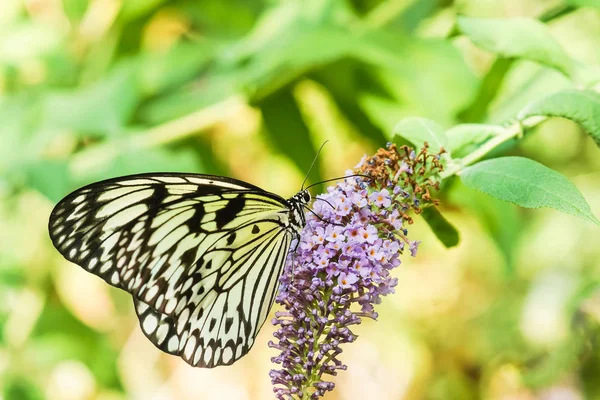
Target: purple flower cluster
x,y
339,271
341,266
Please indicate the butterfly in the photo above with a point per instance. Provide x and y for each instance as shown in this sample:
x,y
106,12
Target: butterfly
x,y
201,255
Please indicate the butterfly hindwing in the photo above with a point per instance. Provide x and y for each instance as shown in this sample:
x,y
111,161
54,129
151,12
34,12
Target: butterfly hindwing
x,y
200,254
159,328
214,331
216,320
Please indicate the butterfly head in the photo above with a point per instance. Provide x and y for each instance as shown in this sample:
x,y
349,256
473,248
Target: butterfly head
x,y
297,204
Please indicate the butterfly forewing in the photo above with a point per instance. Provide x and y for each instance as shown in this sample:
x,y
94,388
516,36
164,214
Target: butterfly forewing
x,y
200,254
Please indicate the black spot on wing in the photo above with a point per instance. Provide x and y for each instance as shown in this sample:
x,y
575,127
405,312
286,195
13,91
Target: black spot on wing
x,y
228,323
228,213
205,190
188,257
231,238
255,229
158,196
194,222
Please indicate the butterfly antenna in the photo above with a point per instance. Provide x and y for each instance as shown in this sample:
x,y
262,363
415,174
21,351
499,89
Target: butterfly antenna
x,y
326,201
338,178
321,218
313,164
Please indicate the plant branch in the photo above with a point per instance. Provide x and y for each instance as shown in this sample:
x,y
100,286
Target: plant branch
x,y
170,131
513,131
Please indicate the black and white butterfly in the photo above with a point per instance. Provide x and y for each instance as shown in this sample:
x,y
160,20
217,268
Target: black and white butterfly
x,y
200,254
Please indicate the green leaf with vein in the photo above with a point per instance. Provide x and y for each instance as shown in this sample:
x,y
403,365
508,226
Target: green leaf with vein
x,y
528,184
581,106
517,37
420,130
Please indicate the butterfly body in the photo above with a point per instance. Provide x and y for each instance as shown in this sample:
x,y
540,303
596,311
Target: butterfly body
x,y
200,254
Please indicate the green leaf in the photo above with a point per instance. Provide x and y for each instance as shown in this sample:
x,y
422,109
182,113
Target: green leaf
x,y
581,106
528,184
444,230
517,37
463,138
420,130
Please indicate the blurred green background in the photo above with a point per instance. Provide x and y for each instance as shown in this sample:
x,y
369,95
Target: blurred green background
x,y
250,89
